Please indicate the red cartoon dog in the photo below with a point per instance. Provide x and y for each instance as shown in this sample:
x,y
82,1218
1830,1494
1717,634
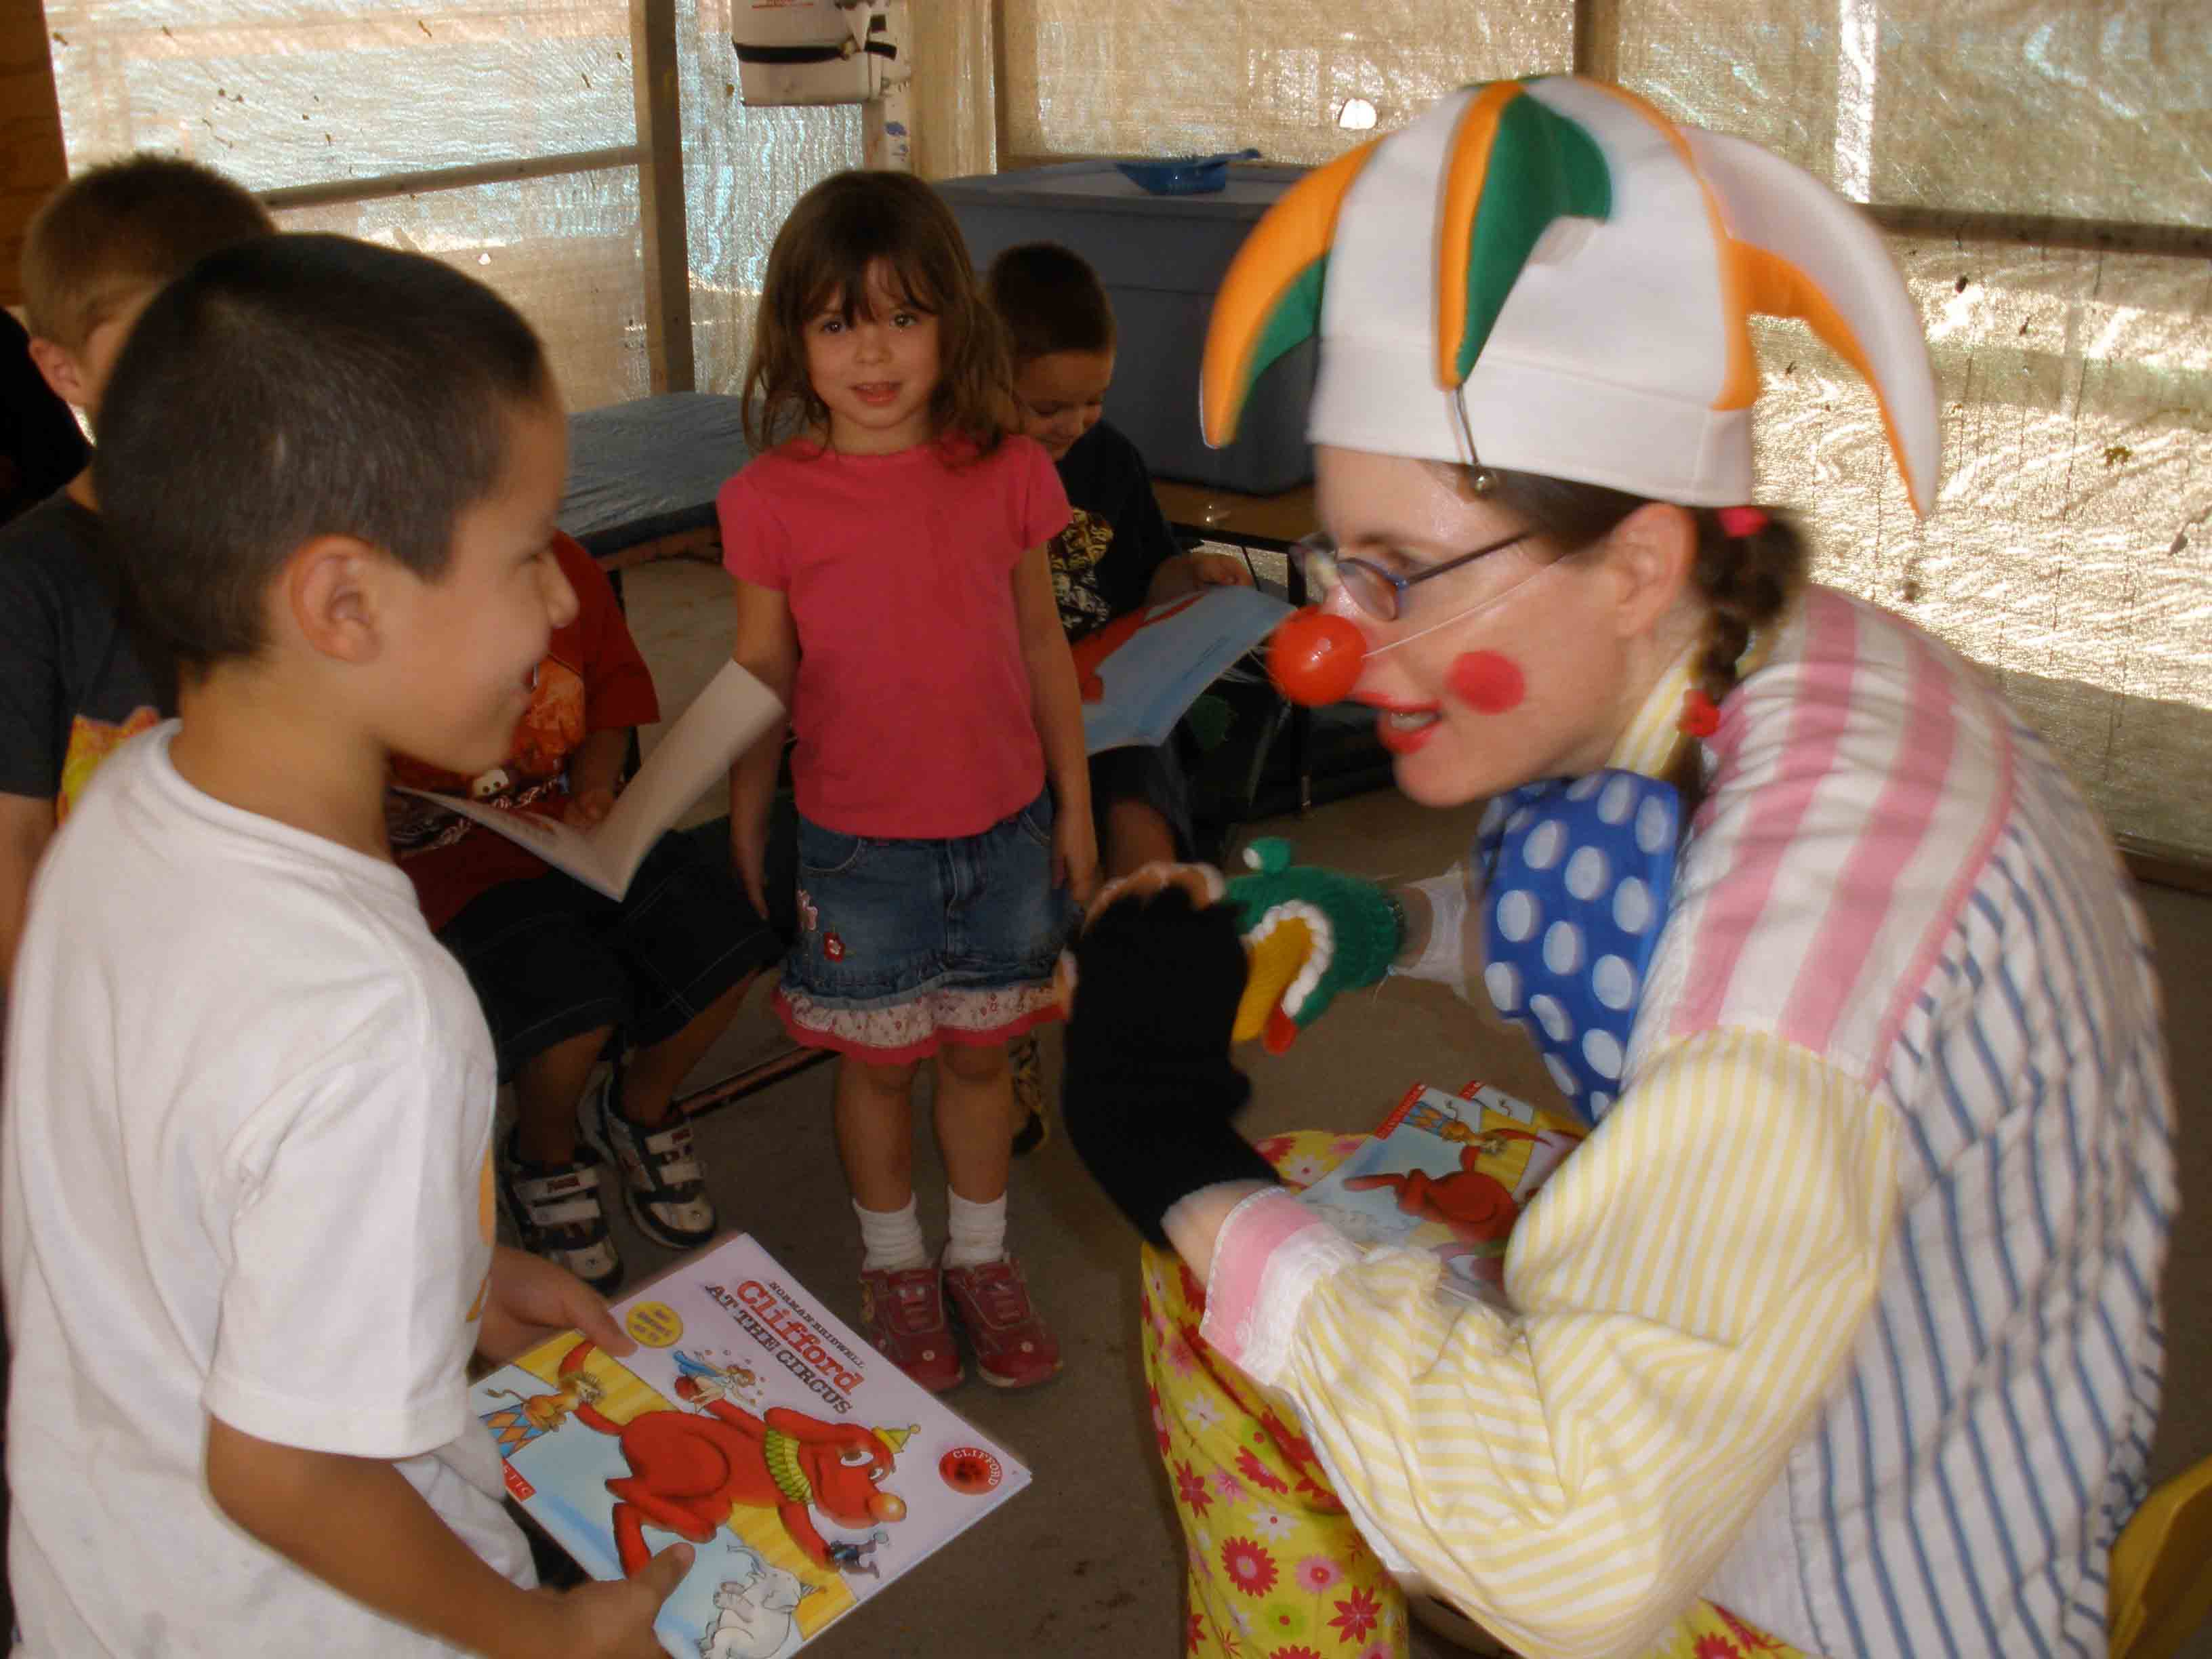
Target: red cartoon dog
x,y
688,1471
1476,1206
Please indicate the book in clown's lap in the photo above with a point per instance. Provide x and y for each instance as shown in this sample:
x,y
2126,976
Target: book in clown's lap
x,y
1450,1174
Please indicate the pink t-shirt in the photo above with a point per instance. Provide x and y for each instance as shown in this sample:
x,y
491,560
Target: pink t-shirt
x,y
911,705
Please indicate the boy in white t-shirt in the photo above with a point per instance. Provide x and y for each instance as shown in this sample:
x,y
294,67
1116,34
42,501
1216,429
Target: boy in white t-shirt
x,y
246,1200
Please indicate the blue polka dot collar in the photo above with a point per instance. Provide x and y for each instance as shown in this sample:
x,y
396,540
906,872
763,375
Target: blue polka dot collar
x,y
1577,875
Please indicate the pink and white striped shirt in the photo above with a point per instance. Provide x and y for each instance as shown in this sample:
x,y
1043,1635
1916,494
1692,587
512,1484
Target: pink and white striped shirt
x,y
1844,1316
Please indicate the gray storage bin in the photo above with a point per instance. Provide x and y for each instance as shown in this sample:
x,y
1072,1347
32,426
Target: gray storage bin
x,y
1161,257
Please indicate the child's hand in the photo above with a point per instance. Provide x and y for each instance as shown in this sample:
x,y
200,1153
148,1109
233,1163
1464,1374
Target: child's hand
x,y
588,807
1219,570
749,855
1075,856
614,1620
529,1300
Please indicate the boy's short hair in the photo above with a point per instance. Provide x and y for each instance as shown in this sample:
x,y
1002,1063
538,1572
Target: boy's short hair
x,y
292,387
1051,300
122,227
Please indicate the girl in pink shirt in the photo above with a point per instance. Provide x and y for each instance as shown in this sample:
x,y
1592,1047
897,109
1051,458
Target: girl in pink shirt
x,y
893,589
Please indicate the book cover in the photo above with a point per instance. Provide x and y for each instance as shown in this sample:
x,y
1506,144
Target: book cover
x,y
1448,1174
806,1470
1141,672
733,709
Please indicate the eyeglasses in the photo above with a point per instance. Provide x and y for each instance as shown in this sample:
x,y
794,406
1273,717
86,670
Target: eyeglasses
x,y
1379,592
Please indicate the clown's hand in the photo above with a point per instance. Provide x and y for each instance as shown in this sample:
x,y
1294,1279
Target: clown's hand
x,y
1148,1090
1311,934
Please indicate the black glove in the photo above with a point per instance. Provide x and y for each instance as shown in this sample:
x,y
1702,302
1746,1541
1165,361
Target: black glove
x,y
1148,1090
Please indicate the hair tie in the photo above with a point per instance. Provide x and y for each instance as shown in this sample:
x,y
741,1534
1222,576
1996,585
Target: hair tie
x,y
1737,522
1701,716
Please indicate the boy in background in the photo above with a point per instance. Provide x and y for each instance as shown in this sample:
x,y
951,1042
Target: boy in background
x,y
246,1183
72,683
1117,555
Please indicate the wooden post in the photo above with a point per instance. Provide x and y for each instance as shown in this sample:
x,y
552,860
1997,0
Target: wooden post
x,y
32,159
1001,132
383,187
1597,39
660,195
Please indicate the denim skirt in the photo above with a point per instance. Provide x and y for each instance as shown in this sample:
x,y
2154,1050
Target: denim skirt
x,y
905,944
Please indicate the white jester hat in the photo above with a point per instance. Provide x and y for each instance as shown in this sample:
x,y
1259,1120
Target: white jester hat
x,y
1549,275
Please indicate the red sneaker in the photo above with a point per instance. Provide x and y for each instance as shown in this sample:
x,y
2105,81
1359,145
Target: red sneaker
x,y
990,1304
904,1314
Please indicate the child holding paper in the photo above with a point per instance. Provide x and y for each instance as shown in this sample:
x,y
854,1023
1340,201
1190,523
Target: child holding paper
x,y
559,968
1117,556
1117,553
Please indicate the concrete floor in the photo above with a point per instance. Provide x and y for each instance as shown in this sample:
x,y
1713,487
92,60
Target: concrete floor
x,y
1086,1564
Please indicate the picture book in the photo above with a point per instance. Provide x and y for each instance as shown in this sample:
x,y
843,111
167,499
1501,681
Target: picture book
x,y
1141,672
694,755
1448,1174
805,1469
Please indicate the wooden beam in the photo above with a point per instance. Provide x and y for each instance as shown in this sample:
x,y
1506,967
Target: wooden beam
x,y
1596,47
2041,230
2165,867
660,195
1001,133
33,162
386,184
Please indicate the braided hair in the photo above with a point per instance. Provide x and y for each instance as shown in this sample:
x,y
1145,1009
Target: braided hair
x,y
1745,582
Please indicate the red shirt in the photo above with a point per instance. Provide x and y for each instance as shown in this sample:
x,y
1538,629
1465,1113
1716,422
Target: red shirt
x,y
911,705
593,680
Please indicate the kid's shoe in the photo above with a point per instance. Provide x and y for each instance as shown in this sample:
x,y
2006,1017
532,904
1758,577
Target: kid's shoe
x,y
990,1305
558,1214
663,1181
903,1311
1028,1094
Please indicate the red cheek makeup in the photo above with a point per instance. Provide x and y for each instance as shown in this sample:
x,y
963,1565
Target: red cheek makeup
x,y
1486,682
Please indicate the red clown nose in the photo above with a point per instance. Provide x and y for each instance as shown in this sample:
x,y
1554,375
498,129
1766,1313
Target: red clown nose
x,y
1315,658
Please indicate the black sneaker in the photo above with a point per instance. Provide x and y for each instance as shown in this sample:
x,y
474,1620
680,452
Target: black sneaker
x,y
558,1213
1028,1094
663,1181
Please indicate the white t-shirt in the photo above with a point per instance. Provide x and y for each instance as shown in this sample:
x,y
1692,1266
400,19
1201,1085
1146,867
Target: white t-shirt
x,y
244,1171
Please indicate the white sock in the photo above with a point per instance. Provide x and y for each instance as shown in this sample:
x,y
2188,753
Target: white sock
x,y
890,1240
978,1231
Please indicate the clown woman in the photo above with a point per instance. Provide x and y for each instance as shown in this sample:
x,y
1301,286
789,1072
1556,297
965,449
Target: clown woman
x,y
1835,1332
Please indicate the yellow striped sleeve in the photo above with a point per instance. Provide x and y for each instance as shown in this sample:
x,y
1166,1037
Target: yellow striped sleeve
x,y
1647,743
1688,1285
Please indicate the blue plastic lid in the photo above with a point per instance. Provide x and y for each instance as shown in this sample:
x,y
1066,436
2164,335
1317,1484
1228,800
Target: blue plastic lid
x,y
1184,175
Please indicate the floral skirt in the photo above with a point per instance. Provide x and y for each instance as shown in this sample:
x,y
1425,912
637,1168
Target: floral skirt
x,y
1275,1568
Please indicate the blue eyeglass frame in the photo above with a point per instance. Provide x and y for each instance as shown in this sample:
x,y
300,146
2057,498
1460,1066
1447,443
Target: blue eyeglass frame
x,y
1321,545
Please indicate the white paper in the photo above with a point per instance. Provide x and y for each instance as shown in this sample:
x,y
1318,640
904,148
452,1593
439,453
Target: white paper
x,y
695,754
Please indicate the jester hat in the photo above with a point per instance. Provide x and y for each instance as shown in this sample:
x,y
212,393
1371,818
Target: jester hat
x,y
1552,276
